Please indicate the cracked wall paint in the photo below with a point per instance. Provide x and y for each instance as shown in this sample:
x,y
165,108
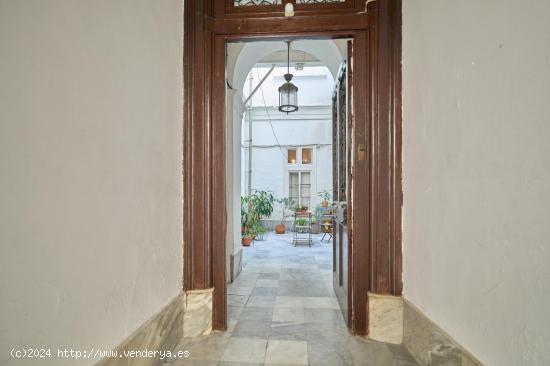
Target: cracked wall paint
x,y
476,173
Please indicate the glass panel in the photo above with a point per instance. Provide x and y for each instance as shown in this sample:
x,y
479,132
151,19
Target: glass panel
x,y
293,186
335,149
342,136
288,98
292,156
306,156
305,189
255,2
319,1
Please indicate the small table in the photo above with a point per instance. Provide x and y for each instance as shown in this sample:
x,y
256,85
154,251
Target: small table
x,y
326,227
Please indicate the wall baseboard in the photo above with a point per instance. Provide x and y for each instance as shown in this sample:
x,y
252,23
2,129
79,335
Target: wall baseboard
x,y
429,344
385,318
236,264
163,332
197,316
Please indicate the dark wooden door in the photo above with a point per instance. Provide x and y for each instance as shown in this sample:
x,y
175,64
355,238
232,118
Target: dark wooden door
x,y
341,132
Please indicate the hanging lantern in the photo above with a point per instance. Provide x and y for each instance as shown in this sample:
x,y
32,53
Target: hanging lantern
x,y
288,92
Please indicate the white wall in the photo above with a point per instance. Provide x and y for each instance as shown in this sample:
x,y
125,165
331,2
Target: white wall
x,y
310,126
233,117
90,161
315,85
476,98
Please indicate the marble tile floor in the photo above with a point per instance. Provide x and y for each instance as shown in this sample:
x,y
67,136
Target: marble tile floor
x,y
282,311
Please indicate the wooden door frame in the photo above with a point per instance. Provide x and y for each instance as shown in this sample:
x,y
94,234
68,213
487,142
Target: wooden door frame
x,y
376,220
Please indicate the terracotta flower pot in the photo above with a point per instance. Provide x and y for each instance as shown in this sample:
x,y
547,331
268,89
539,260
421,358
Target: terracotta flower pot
x,y
280,229
246,241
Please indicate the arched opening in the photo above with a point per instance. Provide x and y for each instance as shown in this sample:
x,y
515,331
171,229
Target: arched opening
x,y
251,61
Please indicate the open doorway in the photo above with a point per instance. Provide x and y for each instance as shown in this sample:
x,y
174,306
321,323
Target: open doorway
x,y
288,175
373,216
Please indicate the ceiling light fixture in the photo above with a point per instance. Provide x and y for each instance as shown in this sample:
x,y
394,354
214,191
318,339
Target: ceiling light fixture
x,y
288,92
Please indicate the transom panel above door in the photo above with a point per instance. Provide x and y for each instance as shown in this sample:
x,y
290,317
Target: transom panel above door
x,y
275,8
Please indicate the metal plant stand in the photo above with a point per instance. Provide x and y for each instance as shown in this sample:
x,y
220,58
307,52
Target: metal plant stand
x,y
302,228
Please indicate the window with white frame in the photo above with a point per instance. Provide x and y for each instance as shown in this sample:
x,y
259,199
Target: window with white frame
x,y
300,156
300,175
299,187
307,155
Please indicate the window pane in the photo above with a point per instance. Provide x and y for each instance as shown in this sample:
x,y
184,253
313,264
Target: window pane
x,y
306,156
305,189
292,156
319,1
293,187
255,2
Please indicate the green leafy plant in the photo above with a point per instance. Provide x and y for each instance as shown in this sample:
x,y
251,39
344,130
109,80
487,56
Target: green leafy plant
x,y
244,211
301,222
314,217
255,207
285,204
262,202
301,208
325,195
256,231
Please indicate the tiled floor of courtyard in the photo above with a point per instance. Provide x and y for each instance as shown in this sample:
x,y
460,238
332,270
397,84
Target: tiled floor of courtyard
x,y
282,311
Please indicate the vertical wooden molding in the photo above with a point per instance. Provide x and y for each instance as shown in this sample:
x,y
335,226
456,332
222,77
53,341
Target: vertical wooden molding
x,y
360,213
386,144
397,179
218,209
197,141
204,150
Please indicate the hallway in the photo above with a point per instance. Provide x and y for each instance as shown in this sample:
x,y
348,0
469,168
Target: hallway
x,y
282,311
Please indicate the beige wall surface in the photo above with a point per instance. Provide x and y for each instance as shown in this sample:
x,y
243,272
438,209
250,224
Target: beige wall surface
x,y
476,150
90,162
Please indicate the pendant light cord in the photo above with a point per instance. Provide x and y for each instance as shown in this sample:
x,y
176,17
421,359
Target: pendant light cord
x,y
285,156
288,57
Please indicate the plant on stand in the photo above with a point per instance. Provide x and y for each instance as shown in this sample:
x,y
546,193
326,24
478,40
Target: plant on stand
x,y
285,204
325,196
300,209
314,223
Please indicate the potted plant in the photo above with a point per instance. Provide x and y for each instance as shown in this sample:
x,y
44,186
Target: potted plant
x,y
253,208
301,209
314,225
244,214
258,231
260,206
325,196
301,225
285,203
262,203
246,239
